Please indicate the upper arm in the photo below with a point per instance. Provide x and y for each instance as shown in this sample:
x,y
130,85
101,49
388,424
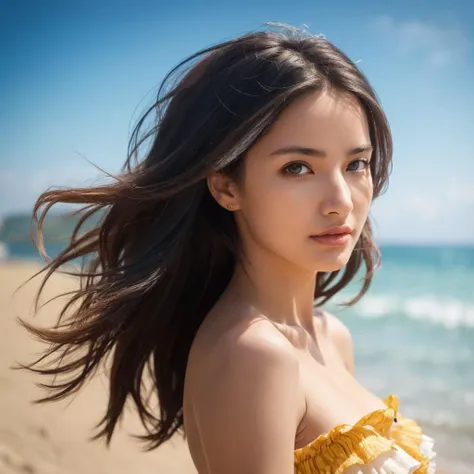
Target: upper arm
x,y
342,339
248,414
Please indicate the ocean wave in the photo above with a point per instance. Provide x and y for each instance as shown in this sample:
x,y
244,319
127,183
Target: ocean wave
x,y
442,422
448,312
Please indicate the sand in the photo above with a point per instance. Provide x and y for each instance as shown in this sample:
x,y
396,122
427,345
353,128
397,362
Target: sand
x,y
54,438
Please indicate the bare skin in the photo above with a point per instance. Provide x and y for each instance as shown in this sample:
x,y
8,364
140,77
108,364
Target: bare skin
x,y
267,373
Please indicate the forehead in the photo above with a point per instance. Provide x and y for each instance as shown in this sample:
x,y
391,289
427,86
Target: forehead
x,y
329,120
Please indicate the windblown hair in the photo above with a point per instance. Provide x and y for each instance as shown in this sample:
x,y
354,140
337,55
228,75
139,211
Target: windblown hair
x,y
163,250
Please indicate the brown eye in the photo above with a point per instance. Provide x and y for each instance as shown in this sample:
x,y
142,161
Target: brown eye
x,y
362,161
296,169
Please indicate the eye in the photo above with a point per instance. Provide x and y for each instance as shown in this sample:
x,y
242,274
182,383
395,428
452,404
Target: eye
x,y
296,169
361,161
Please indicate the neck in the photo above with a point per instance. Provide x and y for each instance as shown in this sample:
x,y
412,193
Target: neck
x,y
275,288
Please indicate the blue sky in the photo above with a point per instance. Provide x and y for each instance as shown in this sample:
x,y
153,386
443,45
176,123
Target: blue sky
x,y
75,76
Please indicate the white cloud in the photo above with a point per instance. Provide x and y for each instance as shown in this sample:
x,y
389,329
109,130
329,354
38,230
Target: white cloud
x,y
438,45
460,194
430,207
423,206
443,216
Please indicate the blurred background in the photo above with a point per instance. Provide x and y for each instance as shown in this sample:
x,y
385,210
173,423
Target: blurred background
x,y
75,77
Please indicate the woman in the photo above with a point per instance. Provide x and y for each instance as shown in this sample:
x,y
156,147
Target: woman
x,y
215,253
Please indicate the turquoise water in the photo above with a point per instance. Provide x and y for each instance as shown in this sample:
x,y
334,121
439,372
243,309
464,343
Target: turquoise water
x,y
414,336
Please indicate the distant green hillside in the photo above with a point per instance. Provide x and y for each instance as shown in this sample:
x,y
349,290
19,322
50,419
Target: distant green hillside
x,y
56,227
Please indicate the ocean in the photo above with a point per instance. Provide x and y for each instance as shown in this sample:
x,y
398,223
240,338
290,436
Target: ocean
x,y
413,336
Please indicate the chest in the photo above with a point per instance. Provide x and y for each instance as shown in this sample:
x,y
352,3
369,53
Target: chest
x,y
332,397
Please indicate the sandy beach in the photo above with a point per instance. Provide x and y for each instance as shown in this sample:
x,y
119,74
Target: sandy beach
x,y
54,438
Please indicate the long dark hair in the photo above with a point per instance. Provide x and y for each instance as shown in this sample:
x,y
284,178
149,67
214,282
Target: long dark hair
x,y
164,251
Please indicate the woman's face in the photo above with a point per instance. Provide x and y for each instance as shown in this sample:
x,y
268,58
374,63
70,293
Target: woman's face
x,y
310,173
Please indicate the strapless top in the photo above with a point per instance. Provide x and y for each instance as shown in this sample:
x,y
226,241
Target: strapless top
x,y
381,442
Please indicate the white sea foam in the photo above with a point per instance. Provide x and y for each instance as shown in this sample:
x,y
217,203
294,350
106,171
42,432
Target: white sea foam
x,y
445,311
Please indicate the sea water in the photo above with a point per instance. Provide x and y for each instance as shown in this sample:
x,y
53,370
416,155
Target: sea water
x,y
413,335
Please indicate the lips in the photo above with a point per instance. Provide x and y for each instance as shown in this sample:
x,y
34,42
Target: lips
x,y
340,230
332,239
334,236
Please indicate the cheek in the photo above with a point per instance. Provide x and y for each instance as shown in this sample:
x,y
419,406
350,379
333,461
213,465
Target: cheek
x,y
274,211
267,211
362,195
362,200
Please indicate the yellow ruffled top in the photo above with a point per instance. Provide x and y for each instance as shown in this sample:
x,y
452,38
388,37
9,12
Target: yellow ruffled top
x,y
381,442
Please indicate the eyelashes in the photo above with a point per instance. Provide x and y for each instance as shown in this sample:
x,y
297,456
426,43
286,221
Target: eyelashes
x,y
289,169
365,161
298,169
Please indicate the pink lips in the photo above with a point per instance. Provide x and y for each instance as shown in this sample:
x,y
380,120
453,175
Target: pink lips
x,y
334,236
335,239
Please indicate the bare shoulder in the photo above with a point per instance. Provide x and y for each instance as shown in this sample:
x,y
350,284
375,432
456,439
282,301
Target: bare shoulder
x,y
263,340
342,339
250,391
338,329
247,348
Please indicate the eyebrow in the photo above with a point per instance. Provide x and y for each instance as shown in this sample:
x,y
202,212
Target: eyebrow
x,y
301,150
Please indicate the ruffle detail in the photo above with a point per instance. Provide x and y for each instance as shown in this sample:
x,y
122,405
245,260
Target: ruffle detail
x,y
344,446
374,445
426,449
405,431
408,435
395,461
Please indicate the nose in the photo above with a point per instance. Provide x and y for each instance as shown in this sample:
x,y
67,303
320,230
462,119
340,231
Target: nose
x,y
337,196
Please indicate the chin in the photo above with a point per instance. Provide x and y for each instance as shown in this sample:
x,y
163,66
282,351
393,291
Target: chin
x,y
331,261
